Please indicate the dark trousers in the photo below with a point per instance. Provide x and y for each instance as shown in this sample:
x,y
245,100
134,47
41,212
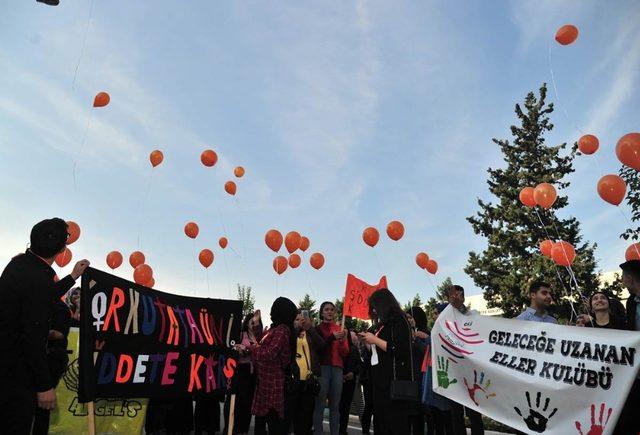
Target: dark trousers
x,y
207,415
441,422
416,424
169,416
276,425
390,417
628,423
17,407
367,413
299,412
246,384
57,360
348,388
457,417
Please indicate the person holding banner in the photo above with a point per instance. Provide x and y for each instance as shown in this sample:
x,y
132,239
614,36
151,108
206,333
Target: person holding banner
x,y
333,355
28,291
601,314
271,358
391,362
541,300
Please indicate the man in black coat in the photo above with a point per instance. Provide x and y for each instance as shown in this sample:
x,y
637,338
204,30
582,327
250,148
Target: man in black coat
x,y
28,291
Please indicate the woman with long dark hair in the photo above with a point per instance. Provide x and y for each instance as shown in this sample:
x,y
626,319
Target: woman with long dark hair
x,y
336,349
391,360
271,359
601,313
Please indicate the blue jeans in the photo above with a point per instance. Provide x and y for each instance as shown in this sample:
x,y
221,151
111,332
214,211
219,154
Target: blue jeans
x,y
330,387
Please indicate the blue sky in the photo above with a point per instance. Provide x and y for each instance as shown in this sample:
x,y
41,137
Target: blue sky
x,y
345,115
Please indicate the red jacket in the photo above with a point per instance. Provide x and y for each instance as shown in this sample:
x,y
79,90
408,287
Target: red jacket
x,y
335,351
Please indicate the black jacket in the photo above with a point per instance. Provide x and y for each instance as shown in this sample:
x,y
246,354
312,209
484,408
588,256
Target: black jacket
x,y
397,333
27,296
631,312
352,363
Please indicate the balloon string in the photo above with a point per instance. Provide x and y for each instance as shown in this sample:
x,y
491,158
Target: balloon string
x,y
208,287
194,267
243,257
84,43
143,205
433,287
80,152
226,266
375,254
635,245
555,90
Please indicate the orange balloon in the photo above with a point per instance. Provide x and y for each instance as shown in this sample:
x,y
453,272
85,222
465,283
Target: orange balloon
x,y
633,252
526,197
304,243
545,195
292,241
114,259
432,267
371,236
545,248
628,150
563,253
142,274
230,187
223,242
136,259
73,231
238,171
294,260
567,34
317,260
422,260
612,189
588,144
208,158
191,230
63,258
206,257
151,283
101,99
273,239
280,264
395,230
156,157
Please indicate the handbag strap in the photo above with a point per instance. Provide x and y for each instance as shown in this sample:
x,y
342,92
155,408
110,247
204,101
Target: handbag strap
x,y
410,353
306,360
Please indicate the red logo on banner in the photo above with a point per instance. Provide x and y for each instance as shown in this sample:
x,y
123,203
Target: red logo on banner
x,y
356,296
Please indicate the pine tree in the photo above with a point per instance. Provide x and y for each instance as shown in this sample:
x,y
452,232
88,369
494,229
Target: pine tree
x,y
248,300
308,304
415,302
512,259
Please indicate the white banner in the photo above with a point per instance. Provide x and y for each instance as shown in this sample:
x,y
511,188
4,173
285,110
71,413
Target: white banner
x,y
534,377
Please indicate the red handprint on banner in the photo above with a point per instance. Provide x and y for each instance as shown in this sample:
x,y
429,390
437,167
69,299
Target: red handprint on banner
x,y
596,429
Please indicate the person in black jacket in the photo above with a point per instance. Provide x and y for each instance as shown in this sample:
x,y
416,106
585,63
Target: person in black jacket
x,y
27,294
350,374
391,346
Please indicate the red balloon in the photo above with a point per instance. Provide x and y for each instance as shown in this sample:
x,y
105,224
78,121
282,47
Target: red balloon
x,y
526,197
191,230
63,258
208,158
628,150
280,264
545,195
136,259
156,157
206,257
588,144
395,230
238,172
73,230
432,267
230,187
151,283
292,241
142,274
101,99
422,260
633,252
317,260
294,261
612,189
567,34
563,253
371,236
304,243
545,248
273,239
114,259
223,242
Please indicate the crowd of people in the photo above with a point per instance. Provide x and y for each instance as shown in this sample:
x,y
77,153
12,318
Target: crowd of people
x,y
288,373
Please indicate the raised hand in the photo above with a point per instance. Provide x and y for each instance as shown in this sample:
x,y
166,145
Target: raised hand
x,y
536,421
443,373
596,429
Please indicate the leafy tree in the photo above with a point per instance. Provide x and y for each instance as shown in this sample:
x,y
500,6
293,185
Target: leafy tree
x,y
511,260
244,295
632,178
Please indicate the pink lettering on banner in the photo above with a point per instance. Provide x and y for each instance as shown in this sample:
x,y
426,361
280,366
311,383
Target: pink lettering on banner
x,y
194,379
169,368
194,328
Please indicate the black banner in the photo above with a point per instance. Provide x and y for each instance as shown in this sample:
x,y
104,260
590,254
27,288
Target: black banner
x,y
139,342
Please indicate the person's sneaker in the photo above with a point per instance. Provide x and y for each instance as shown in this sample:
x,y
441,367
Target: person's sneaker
x,y
49,2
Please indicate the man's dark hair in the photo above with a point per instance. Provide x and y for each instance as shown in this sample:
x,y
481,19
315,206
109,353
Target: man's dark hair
x,y
49,237
537,285
632,267
448,290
